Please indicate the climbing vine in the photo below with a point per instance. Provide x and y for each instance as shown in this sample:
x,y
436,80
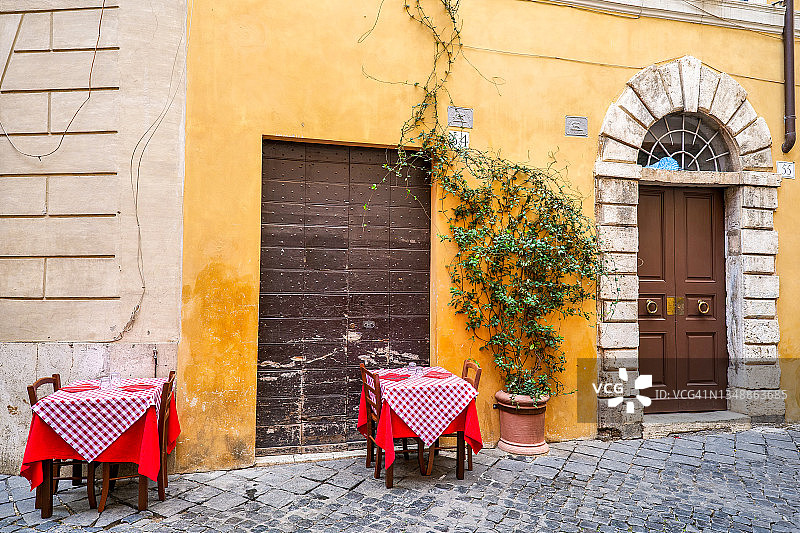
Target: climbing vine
x,y
526,255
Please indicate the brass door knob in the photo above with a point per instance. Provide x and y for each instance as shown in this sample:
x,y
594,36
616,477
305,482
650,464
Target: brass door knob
x,y
651,306
703,307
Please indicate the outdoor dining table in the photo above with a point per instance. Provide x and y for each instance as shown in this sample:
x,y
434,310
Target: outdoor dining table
x,y
426,405
115,424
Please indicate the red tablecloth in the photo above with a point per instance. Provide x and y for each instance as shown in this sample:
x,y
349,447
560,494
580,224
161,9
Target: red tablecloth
x,y
391,426
138,444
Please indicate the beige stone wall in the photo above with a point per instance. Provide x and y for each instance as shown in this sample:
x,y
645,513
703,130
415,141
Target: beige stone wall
x,y
70,222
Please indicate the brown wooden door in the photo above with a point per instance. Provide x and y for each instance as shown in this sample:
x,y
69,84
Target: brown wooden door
x,y
340,285
682,333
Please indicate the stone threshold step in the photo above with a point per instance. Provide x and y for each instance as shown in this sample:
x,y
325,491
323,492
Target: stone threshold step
x,y
291,458
659,425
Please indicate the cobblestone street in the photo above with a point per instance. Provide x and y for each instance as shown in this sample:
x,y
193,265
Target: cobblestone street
x,y
748,481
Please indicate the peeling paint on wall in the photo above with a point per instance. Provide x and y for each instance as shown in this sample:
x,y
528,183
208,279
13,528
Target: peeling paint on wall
x,y
217,362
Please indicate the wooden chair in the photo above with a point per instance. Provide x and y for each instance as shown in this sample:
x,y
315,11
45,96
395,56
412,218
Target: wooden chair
x,y
52,472
110,470
465,448
372,395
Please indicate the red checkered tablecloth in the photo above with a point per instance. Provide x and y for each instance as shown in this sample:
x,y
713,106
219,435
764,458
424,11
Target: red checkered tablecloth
x,y
91,420
427,405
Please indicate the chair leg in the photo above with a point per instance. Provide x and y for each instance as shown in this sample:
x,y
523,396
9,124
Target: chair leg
x,y
114,473
143,493
370,453
56,474
390,476
77,474
164,469
378,457
106,484
469,457
431,455
162,480
405,448
47,489
90,471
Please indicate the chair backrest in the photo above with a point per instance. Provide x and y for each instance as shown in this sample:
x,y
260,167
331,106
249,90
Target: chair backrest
x,y
474,380
33,390
165,410
372,392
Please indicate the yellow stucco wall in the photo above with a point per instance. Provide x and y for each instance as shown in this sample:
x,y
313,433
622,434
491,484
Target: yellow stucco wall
x,y
296,69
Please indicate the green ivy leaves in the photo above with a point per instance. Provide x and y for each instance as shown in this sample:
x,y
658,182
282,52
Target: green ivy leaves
x,y
524,253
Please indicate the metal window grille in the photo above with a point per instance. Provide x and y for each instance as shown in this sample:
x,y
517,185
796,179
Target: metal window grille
x,y
685,141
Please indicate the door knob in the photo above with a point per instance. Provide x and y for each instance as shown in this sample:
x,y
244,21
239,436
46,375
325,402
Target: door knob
x,y
703,307
651,306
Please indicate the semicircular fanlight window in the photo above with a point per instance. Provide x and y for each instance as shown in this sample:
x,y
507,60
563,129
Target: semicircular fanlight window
x,y
685,141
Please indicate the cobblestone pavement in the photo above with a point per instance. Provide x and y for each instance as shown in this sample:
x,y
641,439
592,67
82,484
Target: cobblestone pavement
x,y
749,481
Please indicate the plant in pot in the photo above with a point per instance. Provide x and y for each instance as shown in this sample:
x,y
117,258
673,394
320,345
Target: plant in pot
x,y
526,257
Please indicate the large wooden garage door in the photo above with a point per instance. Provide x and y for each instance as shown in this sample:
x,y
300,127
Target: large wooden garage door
x,y
340,285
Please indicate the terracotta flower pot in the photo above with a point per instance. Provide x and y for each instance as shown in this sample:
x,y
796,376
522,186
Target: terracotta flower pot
x,y
521,423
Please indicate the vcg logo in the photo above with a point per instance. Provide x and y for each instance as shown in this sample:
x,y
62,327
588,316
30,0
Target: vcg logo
x,y
644,381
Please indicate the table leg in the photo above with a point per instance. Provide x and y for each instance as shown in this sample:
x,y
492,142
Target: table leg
x,y
38,502
390,476
460,455
142,493
47,489
90,471
421,456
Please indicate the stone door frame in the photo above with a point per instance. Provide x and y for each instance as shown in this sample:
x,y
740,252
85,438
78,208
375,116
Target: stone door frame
x,y
751,243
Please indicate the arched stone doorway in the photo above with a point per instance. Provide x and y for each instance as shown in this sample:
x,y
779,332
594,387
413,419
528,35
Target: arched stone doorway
x,y
750,244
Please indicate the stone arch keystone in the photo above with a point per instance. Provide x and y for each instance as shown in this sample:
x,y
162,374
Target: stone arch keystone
x,y
685,85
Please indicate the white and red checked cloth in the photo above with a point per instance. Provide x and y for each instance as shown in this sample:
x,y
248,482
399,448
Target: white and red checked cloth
x,y
427,405
91,420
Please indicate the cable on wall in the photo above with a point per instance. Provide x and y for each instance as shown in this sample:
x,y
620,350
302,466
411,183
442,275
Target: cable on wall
x,y
74,115
136,162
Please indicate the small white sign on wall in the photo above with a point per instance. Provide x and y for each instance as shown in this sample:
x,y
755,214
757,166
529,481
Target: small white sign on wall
x,y
786,169
576,126
459,140
459,117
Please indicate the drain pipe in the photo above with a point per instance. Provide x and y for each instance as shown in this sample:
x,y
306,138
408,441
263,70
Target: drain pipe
x,y
788,77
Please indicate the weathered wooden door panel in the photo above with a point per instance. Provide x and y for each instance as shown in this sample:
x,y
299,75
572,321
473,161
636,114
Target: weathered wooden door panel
x,y
340,285
681,298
